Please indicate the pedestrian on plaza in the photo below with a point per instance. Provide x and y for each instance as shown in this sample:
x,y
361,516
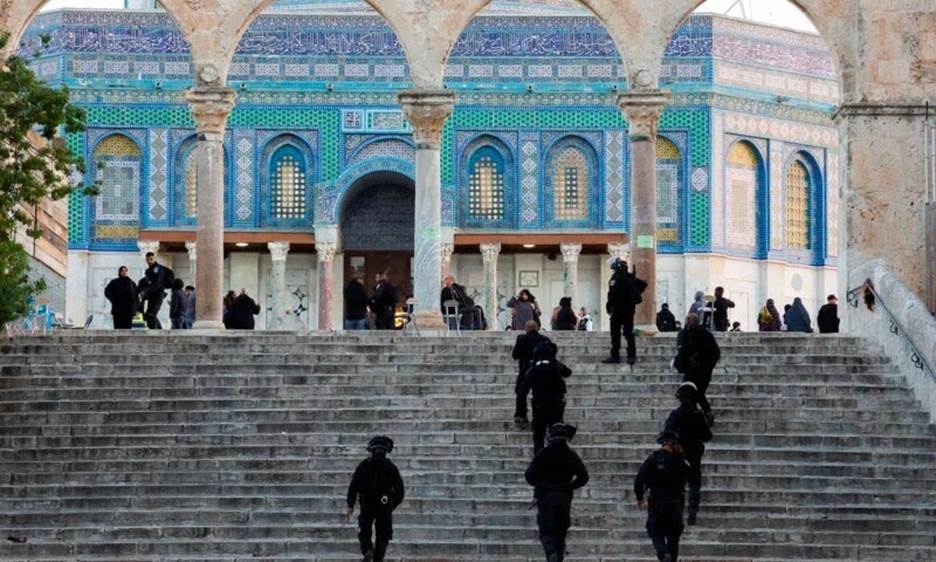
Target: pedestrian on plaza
x,y
664,474
546,378
690,424
122,294
697,353
721,307
624,294
379,486
585,322
160,279
243,312
472,317
189,307
828,320
355,297
564,318
698,305
383,302
735,327
177,304
228,303
555,473
523,354
665,320
797,318
524,309
768,320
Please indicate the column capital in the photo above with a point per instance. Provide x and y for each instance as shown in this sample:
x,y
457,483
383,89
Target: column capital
x,y
326,251
278,250
619,250
210,106
427,111
643,111
191,248
147,246
570,252
489,252
447,250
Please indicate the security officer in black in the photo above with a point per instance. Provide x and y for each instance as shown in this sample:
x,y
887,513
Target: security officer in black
x,y
555,472
689,422
624,290
664,473
378,483
545,378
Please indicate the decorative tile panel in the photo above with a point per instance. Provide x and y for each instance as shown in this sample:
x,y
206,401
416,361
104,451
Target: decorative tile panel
x,y
244,150
529,183
159,177
614,176
776,195
385,148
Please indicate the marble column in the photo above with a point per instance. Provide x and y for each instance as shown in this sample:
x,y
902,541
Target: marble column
x,y
210,106
447,251
427,111
643,109
326,281
145,248
191,248
570,259
489,254
278,252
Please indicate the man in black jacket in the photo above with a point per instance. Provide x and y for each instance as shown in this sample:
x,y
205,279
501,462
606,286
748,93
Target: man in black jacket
x,y
624,294
828,319
697,353
177,305
160,278
378,483
122,294
721,306
664,473
355,297
523,354
555,472
383,302
243,312
694,432
546,378
471,317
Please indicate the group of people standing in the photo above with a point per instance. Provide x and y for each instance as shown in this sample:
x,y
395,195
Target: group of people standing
x,y
376,311
128,298
796,317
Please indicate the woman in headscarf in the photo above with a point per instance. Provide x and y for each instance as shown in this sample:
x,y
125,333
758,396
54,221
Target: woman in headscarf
x,y
524,309
797,318
769,318
564,318
698,305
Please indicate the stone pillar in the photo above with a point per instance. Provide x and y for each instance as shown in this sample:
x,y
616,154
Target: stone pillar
x,y
643,111
145,248
326,281
490,253
210,106
447,251
570,259
427,111
278,252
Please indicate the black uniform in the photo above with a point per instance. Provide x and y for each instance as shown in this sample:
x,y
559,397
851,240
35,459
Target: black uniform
x,y
555,472
355,301
546,379
122,294
378,483
694,432
383,303
697,353
523,353
160,278
624,292
665,475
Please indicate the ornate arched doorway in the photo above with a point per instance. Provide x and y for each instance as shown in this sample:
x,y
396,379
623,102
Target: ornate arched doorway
x,y
377,224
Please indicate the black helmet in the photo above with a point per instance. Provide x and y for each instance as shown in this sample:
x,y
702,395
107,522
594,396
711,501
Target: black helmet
x,y
380,444
561,431
617,263
687,391
668,437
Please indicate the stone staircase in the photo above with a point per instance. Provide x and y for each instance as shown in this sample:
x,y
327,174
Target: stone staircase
x,y
144,447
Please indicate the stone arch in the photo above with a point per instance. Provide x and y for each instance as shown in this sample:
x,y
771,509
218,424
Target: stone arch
x,y
331,199
305,157
746,186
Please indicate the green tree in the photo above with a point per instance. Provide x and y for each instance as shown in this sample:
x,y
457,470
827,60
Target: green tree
x,y
30,171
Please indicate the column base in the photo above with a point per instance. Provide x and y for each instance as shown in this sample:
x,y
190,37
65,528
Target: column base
x,y
428,320
208,325
646,330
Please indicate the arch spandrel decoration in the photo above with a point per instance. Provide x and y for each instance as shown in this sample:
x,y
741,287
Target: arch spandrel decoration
x,y
287,176
487,187
330,197
571,183
744,183
115,211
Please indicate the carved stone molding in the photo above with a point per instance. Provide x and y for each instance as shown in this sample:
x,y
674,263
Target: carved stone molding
x,y
447,251
191,248
427,111
148,246
489,252
619,251
570,252
326,251
643,111
279,250
210,106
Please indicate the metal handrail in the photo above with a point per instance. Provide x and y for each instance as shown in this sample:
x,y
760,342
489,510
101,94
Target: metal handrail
x,y
917,358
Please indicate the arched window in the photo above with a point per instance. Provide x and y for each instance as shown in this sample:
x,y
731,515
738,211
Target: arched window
x,y
796,208
118,160
185,180
289,184
743,171
571,184
668,166
486,185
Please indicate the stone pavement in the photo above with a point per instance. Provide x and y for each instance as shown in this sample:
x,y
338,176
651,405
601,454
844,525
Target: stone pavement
x,y
155,447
